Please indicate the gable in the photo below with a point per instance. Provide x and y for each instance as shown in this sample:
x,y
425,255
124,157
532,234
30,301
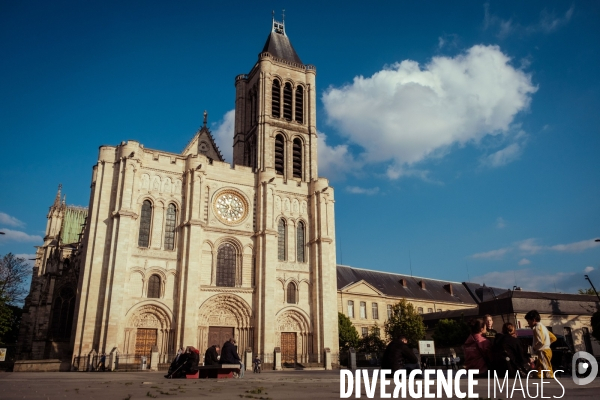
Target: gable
x,y
203,143
362,287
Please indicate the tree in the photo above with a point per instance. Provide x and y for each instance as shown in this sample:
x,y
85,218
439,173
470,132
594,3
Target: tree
x,y
13,272
450,332
372,343
589,291
348,336
405,321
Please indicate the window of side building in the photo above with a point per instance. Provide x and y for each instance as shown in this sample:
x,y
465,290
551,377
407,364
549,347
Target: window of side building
x,y
350,309
365,332
420,310
375,310
363,310
389,311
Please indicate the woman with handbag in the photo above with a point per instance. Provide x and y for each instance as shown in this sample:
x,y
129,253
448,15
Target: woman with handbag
x,y
477,348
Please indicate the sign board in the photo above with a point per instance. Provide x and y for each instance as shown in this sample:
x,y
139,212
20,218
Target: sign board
x,y
2,354
426,347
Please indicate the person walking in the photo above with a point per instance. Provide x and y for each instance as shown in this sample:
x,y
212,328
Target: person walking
x,y
398,355
541,345
508,354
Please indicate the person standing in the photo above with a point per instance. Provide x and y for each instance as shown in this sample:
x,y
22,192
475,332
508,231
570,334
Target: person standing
x,y
490,333
211,357
477,348
398,355
508,354
229,355
541,345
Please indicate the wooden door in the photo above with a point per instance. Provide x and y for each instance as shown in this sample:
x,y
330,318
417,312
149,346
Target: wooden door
x,y
288,347
219,335
144,340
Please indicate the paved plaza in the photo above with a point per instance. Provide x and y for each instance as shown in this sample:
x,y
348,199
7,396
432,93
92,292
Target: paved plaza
x,y
267,385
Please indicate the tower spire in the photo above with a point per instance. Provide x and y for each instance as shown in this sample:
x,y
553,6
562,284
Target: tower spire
x,y
57,198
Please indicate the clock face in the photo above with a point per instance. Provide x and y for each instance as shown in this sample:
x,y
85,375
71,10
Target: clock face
x,y
230,207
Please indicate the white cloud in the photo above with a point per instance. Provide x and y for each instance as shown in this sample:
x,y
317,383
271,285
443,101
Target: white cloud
x,y
524,261
576,247
492,254
500,223
334,161
359,190
407,113
504,156
18,236
529,246
588,269
223,134
534,280
6,219
547,23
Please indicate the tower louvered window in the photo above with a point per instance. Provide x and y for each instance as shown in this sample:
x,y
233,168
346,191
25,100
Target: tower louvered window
x,y
145,222
300,242
291,293
299,108
276,99
154,287
279,160
287,101
281,229
62,314
226,265
297,158
170,227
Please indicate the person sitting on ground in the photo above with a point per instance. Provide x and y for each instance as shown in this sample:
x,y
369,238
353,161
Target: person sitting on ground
x,y
211,357
541,344
191,363
398,355
229,355
177,366
508,354
477,348
257,363
490,333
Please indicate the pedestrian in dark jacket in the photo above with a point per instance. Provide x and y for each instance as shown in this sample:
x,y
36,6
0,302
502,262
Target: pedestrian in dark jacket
x,y
211,357
508,354
191,363
229,355
398,355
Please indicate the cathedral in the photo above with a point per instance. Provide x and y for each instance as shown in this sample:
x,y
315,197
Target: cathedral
x,y
188,249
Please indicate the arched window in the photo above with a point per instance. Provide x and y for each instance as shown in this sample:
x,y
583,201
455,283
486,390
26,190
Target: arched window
x,y
276,99
291,293
226,265
279,159
299,117
62,314
170,227
287,101
145,222
281,230
297,158
300,242
154,287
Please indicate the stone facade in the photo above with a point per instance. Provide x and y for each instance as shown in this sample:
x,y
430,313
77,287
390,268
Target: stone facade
x,y
180,248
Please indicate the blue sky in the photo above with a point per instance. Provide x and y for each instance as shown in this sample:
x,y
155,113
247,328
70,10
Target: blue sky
x,y
461,137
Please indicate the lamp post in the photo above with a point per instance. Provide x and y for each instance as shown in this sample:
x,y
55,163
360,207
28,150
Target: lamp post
x,y
590,281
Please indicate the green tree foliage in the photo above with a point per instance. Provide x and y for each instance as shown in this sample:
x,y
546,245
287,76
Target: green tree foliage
x,y
596,325
589,291
372,343
406,321
348,336
13,273
449,332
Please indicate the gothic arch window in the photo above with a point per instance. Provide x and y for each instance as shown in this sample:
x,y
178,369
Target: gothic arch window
x,y
281,230
62,313
145,222
291,293
300,242
287,101
170,227
297,158
153,287
226,265
276,99
299,117
279,154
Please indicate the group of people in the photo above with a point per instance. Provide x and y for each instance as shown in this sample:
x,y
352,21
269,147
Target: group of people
x,y
486,350
186,362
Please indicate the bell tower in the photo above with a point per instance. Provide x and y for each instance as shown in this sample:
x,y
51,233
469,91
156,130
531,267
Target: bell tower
x,y
275,112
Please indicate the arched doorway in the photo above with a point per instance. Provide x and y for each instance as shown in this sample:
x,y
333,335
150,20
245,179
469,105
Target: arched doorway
x,y
293,337
148,326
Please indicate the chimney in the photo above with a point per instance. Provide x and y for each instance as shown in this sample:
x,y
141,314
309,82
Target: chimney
x,y
402,282
448,288
422,284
